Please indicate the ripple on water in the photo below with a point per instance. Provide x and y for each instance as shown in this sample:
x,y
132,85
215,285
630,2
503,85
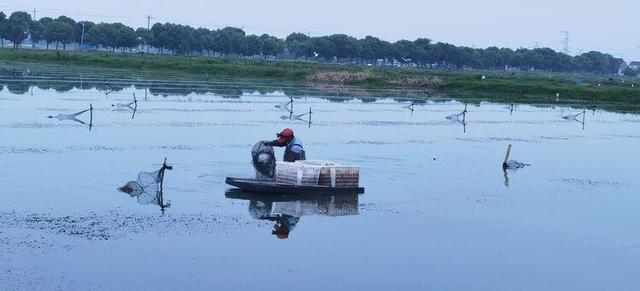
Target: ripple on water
x,y
497,139
24,150
110,225
586,183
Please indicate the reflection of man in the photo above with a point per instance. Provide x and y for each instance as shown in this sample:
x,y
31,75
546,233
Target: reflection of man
x,y
284,225
293,147
286,214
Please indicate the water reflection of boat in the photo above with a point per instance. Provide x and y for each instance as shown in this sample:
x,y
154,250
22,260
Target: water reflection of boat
x,y
270,187
286,210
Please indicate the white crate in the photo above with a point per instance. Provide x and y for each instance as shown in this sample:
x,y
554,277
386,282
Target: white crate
x,y
297,174
335,175
318,163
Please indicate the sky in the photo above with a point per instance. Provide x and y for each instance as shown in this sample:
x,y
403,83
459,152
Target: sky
x,y
607,26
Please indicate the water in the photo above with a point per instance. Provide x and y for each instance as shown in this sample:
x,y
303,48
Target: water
x,y
439,213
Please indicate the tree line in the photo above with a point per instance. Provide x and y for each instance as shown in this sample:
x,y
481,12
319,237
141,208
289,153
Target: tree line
x,y
186,40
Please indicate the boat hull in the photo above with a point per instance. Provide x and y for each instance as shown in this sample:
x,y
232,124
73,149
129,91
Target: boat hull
x,y
271,187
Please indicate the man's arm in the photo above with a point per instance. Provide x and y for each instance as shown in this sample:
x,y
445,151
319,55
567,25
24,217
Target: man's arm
x,y
273,143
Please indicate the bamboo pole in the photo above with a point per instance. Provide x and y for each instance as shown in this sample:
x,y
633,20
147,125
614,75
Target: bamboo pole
x,y
506,157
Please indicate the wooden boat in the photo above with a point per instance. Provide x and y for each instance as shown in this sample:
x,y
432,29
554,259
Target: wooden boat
x,y
253,185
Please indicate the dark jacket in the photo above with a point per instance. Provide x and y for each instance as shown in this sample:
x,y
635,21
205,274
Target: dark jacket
x,y
294,151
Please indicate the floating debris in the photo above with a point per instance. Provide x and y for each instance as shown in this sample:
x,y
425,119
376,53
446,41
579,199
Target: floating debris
x,y
512,164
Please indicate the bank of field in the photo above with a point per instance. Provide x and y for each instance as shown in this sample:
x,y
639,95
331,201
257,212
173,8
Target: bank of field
x,y
496,84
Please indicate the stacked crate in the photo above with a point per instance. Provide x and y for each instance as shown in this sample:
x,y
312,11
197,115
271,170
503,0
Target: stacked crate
x,y
335,175
296,174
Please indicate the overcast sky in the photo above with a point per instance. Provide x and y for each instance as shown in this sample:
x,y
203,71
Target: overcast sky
x,y
609,26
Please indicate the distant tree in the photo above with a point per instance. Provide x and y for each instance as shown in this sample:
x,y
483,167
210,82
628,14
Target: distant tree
x,y
629,72
178,38
374,49
80,28
406,51
145,36
347,47
492,58
201,40
102,34
271,45
4,28
322,46
37,32
229,40
252,45
71,37
295,40
183,39
59,32
124,37
423,54
44,22
19,23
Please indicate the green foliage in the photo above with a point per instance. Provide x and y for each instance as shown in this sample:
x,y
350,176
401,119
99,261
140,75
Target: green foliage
x,y
145,35
4,26
79,27
112,35
19,23
422,52
59,31
37,32
459,83
629,72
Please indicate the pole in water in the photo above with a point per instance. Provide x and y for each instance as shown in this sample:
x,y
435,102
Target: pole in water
x,y
90,116
506,158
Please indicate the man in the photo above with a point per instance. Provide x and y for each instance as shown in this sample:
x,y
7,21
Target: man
x,y
293,147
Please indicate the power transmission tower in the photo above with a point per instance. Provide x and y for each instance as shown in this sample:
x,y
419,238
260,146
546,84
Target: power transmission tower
x,y
565,42
148,21
34,14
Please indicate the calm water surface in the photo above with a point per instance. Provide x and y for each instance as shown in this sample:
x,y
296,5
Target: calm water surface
x,y
438,213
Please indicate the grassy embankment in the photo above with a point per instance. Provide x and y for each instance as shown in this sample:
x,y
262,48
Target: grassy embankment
x,y
496,85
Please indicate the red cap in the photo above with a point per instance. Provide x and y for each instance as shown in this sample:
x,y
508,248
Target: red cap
x,y
286,133
280,231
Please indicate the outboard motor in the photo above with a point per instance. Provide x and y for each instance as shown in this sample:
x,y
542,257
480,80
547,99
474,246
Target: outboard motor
x,y
264,161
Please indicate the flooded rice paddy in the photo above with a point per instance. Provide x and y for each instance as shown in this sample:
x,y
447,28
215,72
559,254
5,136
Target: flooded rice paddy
x,y
439,212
